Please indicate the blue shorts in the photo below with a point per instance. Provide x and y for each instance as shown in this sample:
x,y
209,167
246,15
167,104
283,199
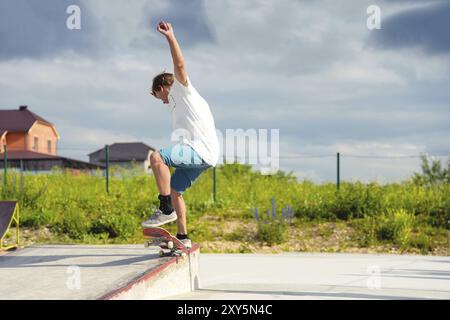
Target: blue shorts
x,y
187,163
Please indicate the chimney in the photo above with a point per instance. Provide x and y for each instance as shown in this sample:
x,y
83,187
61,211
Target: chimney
x,y
22,108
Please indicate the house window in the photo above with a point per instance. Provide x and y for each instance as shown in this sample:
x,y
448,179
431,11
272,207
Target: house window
x,y
35,144
49,146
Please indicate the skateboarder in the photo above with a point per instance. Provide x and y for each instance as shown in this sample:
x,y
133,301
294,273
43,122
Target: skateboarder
x,y
198,149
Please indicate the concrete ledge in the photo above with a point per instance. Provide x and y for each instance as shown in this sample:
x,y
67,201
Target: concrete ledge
x,y
176,276
90,272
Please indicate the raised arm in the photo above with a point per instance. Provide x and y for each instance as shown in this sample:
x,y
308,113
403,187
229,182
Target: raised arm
x,y
177,57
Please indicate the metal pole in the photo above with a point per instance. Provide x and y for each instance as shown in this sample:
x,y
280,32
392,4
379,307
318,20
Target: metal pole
x,y
338,171
5,164
17,226
107,167
214,184
21,176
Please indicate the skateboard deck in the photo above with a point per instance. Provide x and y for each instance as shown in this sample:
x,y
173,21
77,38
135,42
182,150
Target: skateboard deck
x,y
162,238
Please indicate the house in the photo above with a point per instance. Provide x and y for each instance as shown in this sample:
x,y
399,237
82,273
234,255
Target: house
x,y
124,154
3,133
32,142
24,130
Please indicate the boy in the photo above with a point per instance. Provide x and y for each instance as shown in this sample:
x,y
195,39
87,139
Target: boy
x,y
199,146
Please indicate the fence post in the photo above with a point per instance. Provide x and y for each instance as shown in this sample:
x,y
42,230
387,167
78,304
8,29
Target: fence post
x,y
107,167
338,171
214,183
21,176
5,164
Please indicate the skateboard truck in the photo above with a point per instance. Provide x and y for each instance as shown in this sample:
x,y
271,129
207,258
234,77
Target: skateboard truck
x,y
163,239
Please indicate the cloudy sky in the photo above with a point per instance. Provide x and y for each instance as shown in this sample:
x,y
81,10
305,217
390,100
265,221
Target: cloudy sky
x,y
311,69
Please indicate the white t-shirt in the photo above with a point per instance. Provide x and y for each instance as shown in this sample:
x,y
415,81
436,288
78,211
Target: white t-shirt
x,y
191,115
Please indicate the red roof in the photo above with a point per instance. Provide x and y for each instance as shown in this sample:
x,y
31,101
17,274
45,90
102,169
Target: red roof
x,y
20,120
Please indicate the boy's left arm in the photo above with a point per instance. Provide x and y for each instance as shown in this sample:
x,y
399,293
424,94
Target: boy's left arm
x,y
177,57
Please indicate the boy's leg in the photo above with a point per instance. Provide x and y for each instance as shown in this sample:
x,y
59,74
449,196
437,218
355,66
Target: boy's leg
x,y
162,176
161,172
180,209
181,180
160,168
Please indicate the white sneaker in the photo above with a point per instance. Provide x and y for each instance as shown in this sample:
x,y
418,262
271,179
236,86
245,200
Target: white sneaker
x,y
158,219
187,243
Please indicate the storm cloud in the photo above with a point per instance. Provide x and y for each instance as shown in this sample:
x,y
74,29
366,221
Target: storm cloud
x,y
188,17
424,27
37,29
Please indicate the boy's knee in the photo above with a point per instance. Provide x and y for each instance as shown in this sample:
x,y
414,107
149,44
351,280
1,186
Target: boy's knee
x,y
174,193
155,157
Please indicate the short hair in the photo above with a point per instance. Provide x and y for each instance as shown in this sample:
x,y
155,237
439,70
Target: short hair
x,y
162,79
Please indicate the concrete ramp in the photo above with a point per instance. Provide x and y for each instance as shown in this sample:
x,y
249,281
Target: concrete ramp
x,y
96,272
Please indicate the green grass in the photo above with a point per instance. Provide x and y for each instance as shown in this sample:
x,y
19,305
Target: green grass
x,y
76,208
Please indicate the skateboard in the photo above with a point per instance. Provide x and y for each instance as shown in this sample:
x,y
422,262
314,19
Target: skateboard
x,y
162,238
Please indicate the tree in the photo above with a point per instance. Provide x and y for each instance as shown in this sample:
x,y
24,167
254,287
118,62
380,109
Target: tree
x,y
432,171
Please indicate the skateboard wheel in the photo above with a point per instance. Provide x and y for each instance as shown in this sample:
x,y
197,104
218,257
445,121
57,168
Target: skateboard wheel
x,y
147,244
163,245
161,253
170,244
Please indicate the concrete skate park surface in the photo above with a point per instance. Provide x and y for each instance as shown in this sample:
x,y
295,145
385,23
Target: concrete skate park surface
x,y
95,272
134,272
321,276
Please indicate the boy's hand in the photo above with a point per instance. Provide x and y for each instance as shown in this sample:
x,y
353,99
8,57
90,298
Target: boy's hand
x,y
165,28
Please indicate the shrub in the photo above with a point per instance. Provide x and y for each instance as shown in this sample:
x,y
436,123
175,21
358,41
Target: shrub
x,y
396,226
366,231
347,203
273,232
423,242
116,225
74,224
37,218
